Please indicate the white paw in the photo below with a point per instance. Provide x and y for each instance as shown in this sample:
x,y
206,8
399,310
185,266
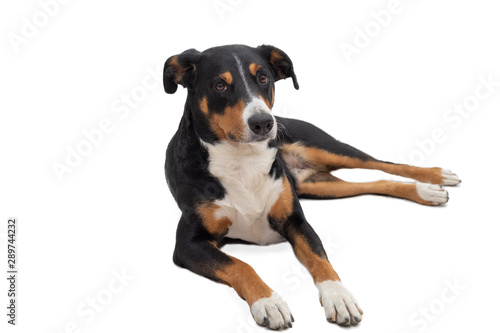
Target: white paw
x,y
449,178
338,303
272,312
432,193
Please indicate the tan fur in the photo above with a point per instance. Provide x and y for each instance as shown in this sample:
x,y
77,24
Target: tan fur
x,y
275,58
265,100
178,69
323,160
340,189
244,280
254,68
229,123
283,207
227,77
204,106
312,167
215,226
320,268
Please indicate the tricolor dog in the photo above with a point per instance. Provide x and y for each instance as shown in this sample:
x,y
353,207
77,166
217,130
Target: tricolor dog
x,y
237,173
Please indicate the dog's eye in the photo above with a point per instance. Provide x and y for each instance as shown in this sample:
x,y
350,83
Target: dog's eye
x,y
263,79
221,86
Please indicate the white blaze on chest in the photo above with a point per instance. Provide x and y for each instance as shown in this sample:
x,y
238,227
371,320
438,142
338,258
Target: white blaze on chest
x,y
243,170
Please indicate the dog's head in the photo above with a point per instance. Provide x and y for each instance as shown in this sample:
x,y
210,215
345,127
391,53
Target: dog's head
x,y
231,89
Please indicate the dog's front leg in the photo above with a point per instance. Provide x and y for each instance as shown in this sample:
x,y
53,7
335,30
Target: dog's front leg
x,y
339,305
287,218
198,252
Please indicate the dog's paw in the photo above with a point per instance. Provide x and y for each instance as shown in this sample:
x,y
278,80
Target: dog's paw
x,y
433,195
339,305
449,178
272,312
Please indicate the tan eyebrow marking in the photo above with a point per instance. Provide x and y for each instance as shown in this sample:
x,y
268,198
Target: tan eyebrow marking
x,y
254,68
227,77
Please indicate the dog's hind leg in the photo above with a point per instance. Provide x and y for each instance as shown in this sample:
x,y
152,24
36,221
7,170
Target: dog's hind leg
x,y
322,185
304,145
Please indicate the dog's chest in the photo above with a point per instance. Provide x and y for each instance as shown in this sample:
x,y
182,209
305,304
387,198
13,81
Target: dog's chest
x,y
243,170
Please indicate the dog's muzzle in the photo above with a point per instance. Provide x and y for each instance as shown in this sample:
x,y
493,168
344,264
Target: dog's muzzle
x,y
261,124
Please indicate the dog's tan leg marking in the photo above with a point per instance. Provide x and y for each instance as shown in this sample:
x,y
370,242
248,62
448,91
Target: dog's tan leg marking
x,y
324,185
436,176
338,303
266,306
245,281
323,160
320,268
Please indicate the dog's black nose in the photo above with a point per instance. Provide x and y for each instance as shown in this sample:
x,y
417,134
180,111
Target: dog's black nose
x,y
261,123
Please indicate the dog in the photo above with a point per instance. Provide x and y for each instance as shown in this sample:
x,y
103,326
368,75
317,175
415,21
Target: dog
x,y
237,173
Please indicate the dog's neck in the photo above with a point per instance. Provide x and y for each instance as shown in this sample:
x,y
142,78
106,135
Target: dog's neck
x,y
231,159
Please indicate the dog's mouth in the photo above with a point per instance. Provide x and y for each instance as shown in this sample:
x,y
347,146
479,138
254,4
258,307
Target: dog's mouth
x,y
258,140
265,137
262,139
253,138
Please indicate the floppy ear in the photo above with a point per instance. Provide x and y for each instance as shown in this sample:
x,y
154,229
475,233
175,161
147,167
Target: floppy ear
x,y
280,63
180,69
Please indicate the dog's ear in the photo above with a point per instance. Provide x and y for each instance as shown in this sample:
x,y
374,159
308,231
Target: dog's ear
x,y
280,63
180,69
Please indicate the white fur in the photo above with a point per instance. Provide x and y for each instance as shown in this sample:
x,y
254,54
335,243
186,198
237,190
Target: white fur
x,y
256,105
433,193
450,179
297,165
243,169
338,303
274,309
242,73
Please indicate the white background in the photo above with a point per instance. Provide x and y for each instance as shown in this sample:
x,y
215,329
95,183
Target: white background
x,y
113,212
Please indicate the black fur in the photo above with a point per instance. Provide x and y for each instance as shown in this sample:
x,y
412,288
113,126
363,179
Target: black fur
x,y
187,160
217,112
309,135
